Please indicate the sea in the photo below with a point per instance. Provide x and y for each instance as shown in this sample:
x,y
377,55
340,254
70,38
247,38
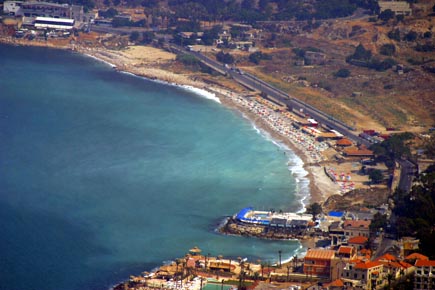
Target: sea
x,y
104,174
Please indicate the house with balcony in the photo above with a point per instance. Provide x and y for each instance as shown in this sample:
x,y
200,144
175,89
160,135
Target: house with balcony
x,y
364,275
354,228
424,274
317,262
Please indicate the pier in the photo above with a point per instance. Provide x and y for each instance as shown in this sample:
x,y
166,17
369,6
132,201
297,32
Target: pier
x,y
268,224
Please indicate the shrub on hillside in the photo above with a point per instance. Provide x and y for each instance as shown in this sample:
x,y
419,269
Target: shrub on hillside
x,y
388,49
342,73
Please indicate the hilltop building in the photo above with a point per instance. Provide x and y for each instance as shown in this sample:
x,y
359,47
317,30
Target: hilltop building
x,y
398,7
43,9
41,14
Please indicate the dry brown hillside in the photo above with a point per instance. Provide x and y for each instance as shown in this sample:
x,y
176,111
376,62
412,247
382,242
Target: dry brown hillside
x,y
387,99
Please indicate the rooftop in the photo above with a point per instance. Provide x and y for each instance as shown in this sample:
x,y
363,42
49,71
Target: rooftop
x,y
416,256
359,240
345,250
320,254
387,257
356,224
367,265
344,142
336,283
425,263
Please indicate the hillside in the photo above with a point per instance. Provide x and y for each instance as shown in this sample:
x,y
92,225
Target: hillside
x,y
387,98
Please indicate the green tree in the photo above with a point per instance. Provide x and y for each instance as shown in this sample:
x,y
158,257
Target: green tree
x,y
225,57
314,209
147,37
376,176
411,36
400,18
429,146
386,15
342,73
388,49
361,53
379,221
394,34
134,36
109,13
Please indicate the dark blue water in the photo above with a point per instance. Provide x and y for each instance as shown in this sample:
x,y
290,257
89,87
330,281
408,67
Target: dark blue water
x,y
103,174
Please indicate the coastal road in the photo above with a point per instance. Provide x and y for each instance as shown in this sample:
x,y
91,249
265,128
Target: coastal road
x,y
292,103
254,83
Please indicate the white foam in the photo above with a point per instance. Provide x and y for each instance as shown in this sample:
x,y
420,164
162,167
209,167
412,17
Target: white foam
x,y
197,91
295,166
101,60
203,93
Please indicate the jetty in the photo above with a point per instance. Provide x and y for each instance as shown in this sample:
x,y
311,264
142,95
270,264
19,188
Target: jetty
x,y
268,224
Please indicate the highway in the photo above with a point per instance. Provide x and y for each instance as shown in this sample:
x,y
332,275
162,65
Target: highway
x,y
254,83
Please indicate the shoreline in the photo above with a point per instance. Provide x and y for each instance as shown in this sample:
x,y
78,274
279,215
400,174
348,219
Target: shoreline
x,y
224,97
151,71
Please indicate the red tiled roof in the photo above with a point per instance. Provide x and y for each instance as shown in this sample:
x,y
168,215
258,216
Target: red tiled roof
x,y
358,240
405,265
424,263
336,283
367,265
345,250
386,257
366,251
344,142
320,254
357,224
358,152
416,256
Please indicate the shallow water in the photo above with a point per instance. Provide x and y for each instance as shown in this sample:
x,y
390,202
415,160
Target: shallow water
x,y
103,174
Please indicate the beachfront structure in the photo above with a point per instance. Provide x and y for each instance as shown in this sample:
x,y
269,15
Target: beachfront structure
x,y
33,9
424,274
274,219
363,275
53,23
317,262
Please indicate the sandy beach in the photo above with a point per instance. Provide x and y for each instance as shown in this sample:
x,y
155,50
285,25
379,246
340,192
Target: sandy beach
x,y
157,64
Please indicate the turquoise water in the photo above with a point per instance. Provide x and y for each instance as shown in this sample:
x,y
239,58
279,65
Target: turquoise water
x,y
103,174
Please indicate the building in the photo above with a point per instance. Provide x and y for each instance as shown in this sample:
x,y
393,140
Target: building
x,y
424,274
354,228
336,233
33,9
318,262
408,245
357,152
358,242
346,252
363,275
313,57
394,267
53,23
398,7
12,8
